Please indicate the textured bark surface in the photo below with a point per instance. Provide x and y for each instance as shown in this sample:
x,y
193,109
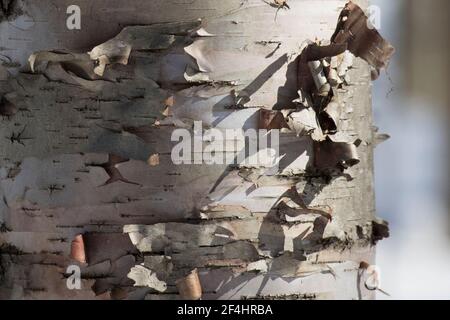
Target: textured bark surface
x,y
78,157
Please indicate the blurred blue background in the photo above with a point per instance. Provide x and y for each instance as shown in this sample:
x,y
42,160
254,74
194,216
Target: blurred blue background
x,y
411,103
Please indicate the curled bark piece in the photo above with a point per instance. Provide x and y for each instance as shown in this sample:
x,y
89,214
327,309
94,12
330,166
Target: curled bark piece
x,y
78,64
330,155
352,28
321,69
311,78
333,78
372,275
339,66
373,280
320,80
380,230
152,37
303,122
37,59
190,287
77,251
102,62
330,116
112,51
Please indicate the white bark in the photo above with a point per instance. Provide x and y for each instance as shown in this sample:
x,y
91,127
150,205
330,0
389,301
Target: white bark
x,y
59,177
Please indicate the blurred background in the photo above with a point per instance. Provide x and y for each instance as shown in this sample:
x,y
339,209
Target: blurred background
x,y
411,104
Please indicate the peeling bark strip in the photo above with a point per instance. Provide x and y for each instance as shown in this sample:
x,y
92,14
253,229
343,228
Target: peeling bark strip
x,y
87,177
367,43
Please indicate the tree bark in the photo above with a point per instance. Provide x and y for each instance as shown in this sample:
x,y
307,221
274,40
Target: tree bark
x,y
90,155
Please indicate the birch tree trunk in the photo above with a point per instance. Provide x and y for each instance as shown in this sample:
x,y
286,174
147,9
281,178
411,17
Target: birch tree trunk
x,y
89,153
